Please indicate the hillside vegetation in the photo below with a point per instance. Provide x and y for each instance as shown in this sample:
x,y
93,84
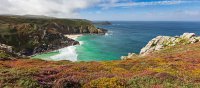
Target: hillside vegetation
x,y
172,67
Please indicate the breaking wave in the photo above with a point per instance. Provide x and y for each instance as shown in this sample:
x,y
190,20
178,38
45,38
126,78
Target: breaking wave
x,y
68,53
81,42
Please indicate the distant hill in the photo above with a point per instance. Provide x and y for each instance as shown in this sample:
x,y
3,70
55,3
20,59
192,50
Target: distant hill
x,y
28,16
37,16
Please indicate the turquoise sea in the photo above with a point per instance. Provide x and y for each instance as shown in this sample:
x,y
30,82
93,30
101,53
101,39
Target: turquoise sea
x,y
122,38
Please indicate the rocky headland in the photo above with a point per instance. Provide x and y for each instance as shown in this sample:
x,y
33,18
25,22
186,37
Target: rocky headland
x,y
25,36
161,42
102,23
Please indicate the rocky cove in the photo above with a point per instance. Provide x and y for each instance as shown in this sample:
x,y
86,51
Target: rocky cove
x,y
24,36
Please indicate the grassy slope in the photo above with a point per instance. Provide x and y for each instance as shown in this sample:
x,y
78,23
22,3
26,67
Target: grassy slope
x,y
7,21
172,67
21,19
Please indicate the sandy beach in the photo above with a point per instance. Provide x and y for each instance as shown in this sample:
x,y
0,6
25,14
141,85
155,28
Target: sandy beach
x,y
74,36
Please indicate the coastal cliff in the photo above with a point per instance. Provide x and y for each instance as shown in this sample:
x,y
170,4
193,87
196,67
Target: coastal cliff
x,y
27,35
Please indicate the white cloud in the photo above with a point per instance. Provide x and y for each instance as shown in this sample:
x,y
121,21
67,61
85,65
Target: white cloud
x,y
131,3
57,8
192,13
71,8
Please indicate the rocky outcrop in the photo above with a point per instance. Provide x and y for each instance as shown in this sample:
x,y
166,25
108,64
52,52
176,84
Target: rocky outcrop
x,y
29,36
161,42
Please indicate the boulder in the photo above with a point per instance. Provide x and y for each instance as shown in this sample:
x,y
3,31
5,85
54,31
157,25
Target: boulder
x,y
155,44
188,35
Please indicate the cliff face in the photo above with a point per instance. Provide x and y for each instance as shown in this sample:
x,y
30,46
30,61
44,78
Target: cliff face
x,y
28,36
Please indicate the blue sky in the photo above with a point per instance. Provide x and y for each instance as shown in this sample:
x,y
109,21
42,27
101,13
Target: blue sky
x,y
120,10
145,10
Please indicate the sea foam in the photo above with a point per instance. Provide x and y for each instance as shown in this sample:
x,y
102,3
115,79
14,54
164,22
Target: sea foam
x,y
68,53
81,42
109,33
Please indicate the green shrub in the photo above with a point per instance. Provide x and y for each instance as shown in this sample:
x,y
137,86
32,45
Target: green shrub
x,y
106,83
142,82
66,83
28,83
150,82
3,54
